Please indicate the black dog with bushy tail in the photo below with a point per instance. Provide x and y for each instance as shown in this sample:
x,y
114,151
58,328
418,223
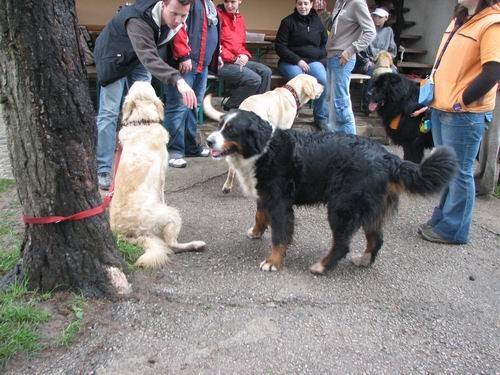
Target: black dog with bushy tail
x,y
356,178
395,98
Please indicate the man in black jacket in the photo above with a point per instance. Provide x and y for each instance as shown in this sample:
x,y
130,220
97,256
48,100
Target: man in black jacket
x,y
132,46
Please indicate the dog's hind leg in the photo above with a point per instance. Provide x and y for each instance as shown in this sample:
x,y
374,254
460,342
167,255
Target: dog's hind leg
x,y
343,227
228,185
156,253
374,241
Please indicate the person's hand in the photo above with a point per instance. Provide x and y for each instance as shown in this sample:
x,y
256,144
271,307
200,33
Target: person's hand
x,y
188,95
344,58
304,66
241,60
221,62
367,66
418,112
185,66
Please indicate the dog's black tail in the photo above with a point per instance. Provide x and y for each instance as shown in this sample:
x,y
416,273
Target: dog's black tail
x,y
428,177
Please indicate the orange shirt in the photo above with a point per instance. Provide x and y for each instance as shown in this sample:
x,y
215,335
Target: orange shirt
x,y
474,44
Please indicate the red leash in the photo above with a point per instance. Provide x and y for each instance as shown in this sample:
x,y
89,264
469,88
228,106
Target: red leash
x,y
82,214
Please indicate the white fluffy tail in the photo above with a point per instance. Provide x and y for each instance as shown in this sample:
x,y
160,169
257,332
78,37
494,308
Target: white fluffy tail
x,y
209,109
156,253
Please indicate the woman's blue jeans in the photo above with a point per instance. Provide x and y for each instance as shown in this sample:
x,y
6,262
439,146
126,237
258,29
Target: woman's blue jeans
x,y
318,71
110,101
462,132
340,114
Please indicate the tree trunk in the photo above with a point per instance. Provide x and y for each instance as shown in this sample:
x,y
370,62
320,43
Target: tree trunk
x,y
51,135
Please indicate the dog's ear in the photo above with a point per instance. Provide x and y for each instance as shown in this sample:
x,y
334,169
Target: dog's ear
x,y
128,107
309,88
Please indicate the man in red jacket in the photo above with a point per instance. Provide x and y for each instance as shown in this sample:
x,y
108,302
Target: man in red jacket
x,y
239,71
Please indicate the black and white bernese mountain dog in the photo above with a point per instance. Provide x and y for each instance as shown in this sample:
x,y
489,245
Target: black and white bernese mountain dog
x,y
357,179
395,98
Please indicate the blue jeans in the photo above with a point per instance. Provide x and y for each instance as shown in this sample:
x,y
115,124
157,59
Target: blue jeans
x,y
180,121
462,132
110,99
340,115
318,71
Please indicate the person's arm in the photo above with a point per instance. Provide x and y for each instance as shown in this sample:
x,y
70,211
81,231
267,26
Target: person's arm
x,y
142,38
368,31
489,77
180,46
281,45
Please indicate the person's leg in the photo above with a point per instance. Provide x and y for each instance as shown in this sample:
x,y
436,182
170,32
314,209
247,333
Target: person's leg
x,y
245,82
264,73
340,116
463,133
175,115
138,74
192,148
110,98
320,109
289,70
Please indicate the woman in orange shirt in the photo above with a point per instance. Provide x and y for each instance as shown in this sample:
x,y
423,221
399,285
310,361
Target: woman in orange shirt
x,y
464,98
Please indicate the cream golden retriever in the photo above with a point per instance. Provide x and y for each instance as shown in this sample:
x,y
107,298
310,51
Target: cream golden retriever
x,y
383,63
279,107
138,211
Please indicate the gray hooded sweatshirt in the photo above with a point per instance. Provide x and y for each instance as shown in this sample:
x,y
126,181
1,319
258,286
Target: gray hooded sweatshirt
x,y
350,28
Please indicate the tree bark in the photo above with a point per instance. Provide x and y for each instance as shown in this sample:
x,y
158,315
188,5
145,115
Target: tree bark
x,y
51,135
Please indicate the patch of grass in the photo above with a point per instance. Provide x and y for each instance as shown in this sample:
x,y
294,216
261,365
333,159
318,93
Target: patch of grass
x,y
129,251
8,259
5,184
19,323
496,193
69,333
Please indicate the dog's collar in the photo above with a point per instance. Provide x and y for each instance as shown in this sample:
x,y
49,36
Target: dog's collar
x,y
140,123
295,95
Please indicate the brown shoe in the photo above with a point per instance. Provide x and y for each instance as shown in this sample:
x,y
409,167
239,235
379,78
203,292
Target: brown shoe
x,y
429,235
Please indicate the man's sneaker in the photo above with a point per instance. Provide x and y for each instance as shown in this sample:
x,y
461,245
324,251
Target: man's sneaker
x,y
205,152
428,234
104,180
177,163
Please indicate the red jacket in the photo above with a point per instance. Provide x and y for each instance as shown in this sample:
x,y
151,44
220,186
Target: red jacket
x,y
233,35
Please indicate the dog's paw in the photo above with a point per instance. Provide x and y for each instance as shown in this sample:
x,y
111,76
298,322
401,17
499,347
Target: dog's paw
x,y
253,235
363,260
266,266
226,190
318,268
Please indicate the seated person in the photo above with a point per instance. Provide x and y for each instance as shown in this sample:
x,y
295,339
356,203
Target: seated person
x,y
300,45
366,59
248,77
384,41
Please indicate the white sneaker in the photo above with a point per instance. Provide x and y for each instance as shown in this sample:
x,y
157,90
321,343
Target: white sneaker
x,y
177,163
205,152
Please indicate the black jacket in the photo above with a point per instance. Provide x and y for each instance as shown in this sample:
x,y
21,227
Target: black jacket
x,y
114,55
301,38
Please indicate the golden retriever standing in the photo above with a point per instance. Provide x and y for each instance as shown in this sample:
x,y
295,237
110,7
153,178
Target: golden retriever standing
x,y
138,211
279,107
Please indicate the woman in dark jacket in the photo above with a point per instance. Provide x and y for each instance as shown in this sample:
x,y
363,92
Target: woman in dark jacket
x,y
300,45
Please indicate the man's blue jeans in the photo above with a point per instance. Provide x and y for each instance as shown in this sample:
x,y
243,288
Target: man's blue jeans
x,y
340,115
462,132
110,99
318,71
180,121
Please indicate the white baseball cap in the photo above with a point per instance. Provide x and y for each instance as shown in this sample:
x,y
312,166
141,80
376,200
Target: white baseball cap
x,y
381,12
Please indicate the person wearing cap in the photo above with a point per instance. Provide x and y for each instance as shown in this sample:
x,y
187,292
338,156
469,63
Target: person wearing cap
x,y
365,60
384,41
351,31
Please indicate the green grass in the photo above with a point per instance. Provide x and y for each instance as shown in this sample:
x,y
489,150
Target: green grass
x,y
7,260
129,251
5,185
19,322
496,193
69,333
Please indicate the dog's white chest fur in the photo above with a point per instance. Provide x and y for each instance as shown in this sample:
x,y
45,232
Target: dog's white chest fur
x,y
245,170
